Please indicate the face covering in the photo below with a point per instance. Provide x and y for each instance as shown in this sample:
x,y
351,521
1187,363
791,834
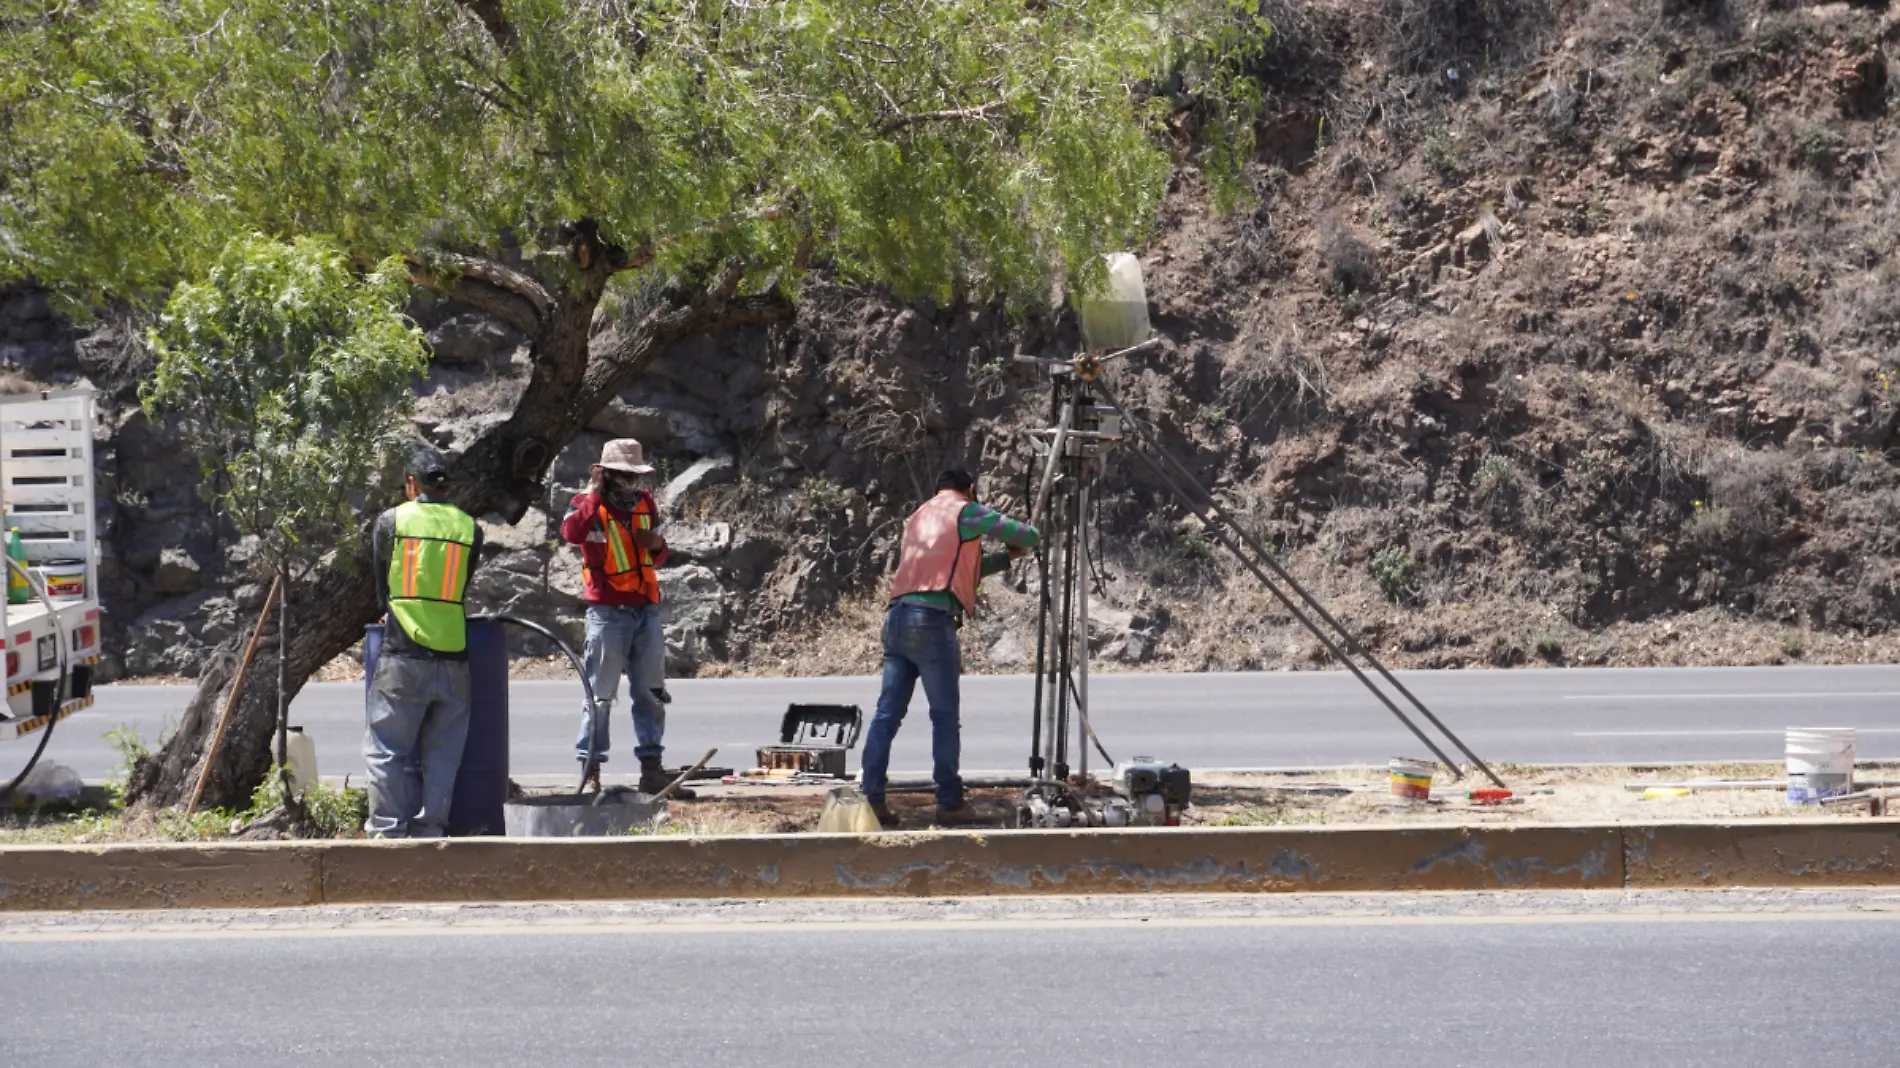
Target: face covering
x,y
622,491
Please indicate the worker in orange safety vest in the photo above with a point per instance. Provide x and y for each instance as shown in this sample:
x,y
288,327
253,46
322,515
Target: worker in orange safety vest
x,y
616,523
939,564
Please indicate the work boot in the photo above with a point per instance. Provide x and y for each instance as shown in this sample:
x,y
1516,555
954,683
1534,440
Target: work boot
x,y
961,815
653,779
885,817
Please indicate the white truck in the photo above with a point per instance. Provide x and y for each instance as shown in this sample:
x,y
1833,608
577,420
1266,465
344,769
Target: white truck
x,y
46,494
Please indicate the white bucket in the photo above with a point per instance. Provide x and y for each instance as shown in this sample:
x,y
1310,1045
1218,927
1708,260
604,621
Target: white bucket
x,y
1820,763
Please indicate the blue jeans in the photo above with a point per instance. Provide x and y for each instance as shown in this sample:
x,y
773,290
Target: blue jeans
x,y
418,725
919,643
632,642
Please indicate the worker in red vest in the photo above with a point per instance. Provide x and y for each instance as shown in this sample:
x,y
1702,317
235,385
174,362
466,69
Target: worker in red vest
x,y
938,567
617,526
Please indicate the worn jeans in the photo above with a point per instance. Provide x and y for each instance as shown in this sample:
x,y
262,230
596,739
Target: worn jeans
x,y
919,643
632,642
418,724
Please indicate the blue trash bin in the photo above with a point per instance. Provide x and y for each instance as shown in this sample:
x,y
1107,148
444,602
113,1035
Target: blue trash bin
x,y
481,785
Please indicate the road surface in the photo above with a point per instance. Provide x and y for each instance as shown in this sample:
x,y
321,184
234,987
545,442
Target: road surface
x,y
1158,985
1291,719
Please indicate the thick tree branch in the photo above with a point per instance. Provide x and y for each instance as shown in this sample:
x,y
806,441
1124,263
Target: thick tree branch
x,y
500,30
485,285
619,354
898,122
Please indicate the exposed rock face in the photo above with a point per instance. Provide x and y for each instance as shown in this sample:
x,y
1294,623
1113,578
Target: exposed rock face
x,y
1505,366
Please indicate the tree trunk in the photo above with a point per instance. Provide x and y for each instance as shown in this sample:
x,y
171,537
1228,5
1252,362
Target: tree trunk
x,y
578,367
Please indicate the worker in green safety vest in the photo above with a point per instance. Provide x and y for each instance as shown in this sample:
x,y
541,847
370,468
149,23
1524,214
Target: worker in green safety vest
x,y
419,695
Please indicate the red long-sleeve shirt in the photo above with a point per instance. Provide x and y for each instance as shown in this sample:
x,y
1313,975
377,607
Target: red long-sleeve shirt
x,y
581,526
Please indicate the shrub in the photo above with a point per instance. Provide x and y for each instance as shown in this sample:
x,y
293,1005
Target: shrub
x,y
1392,570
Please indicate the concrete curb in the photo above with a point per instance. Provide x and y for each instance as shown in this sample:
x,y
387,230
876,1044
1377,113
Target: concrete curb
x,y
945,864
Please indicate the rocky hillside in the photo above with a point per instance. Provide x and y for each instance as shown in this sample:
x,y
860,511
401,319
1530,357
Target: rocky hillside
x,y
1556,333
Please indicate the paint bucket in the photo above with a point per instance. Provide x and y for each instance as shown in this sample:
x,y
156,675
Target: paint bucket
x,y
1411,779
65,579
1820,763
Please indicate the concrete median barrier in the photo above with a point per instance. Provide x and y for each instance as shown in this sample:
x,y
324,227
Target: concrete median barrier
x,y
1201,860
1777,853
246,875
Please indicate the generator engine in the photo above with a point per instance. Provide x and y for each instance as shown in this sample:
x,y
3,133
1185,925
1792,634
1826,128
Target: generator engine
x,y
1156,792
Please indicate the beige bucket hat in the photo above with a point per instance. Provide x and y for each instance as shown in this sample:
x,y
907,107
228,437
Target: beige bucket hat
x,y
624,454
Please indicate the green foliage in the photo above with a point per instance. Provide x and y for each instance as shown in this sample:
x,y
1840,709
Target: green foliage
x,y
982,146
336,813
132,751
290,374
1392,569
823,497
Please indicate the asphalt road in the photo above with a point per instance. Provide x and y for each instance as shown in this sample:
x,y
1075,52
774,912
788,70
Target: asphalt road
x,y
1203,721
1638,991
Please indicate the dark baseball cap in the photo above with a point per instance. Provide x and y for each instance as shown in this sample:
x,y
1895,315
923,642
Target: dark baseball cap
x,y
429,468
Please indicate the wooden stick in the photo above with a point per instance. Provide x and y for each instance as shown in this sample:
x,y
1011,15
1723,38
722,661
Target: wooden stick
x,y
230,702
675,784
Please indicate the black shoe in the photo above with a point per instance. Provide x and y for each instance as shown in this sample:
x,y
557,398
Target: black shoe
x,y
885,817
962,815
654,778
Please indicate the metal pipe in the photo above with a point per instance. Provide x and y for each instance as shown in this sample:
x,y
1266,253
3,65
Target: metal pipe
x,y
1055,458
1265,557
1082,658
1332,648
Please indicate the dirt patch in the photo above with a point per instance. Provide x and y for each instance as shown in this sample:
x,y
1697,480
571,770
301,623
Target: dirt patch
x,y
1540,795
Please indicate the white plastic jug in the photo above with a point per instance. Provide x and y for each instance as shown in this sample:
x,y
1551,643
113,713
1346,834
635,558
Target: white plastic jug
x,y
301,751
1117,317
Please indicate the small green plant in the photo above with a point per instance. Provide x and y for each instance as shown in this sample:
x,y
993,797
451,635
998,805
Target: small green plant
x,y
822,496
1211,416
1708,526
132,751
1392,570
1198,546
1791,647
1351,302
1550,646
335,812
1498,482
1440,153
1820,147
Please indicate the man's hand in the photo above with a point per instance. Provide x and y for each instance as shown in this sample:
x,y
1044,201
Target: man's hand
x,y
1016,552
597,481
648,540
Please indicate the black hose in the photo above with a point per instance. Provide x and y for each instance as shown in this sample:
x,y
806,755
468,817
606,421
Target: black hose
x,y
587,688
59,689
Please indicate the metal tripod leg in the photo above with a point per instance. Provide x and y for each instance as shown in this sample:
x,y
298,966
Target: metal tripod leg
x,y
1231,535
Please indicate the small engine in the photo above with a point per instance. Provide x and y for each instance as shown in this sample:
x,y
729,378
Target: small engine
x,y
1156,792
1147,793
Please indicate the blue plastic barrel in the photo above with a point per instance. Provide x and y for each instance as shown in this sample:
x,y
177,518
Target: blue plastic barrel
x,y
481,786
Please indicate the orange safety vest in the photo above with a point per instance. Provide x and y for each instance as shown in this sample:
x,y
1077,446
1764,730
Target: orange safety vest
x,y
629,567
935,557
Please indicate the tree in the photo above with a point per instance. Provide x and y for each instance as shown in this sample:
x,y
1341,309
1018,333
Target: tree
x,y
606,177
290,375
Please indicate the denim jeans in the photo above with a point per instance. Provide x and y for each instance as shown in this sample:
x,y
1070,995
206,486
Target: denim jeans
x,y
629,641
418,724
919,643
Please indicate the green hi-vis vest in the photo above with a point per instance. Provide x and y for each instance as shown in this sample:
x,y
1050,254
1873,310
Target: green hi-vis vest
x,y
428,568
